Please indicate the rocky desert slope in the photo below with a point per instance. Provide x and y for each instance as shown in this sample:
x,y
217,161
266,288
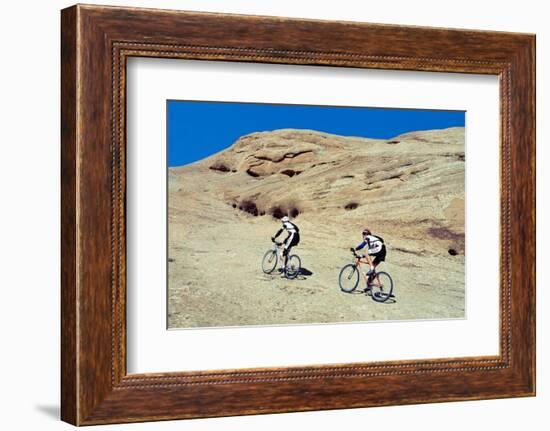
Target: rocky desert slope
x,y
224,209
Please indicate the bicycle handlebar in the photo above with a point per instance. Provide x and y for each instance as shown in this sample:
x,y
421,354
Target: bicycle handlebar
x,y
357,256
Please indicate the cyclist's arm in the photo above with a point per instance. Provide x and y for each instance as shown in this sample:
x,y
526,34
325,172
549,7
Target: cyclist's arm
x,y
278,233
360,246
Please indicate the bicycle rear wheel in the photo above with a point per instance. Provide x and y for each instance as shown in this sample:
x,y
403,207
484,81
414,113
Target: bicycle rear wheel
x,y
349,278
293,266
382,287
269,262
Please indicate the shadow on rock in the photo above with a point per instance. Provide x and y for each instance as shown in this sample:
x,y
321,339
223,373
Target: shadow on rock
x,y
304,274
391,300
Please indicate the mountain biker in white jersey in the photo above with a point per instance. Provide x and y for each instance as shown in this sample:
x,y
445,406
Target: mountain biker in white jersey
x,y
292,239
376,250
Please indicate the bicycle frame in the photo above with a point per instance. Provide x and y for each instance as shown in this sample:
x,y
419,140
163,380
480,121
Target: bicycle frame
x,y
278,248
359,260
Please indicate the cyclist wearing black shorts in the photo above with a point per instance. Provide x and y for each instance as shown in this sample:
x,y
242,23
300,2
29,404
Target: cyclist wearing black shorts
x,y
292,239
376,249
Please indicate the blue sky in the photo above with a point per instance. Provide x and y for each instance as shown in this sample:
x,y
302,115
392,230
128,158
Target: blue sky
x,y
199,129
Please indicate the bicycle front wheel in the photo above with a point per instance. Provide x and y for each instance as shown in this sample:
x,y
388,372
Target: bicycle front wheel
x,y
269,262
293,266
349,278
382,287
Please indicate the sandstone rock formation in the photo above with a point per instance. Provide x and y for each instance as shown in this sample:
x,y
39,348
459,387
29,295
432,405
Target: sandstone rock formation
x,y
223,209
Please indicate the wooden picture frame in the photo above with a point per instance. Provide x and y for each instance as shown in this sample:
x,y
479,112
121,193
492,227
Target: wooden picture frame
x,y
95,43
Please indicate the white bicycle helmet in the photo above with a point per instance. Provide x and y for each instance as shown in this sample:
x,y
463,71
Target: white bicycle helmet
x,y
285,219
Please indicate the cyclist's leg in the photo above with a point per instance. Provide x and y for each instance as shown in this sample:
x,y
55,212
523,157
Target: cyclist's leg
x,y
286,251
287,246
374,258
293,243
378,258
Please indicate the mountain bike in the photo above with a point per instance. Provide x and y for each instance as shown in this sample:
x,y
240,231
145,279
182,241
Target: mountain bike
x,y
379,283
275,255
